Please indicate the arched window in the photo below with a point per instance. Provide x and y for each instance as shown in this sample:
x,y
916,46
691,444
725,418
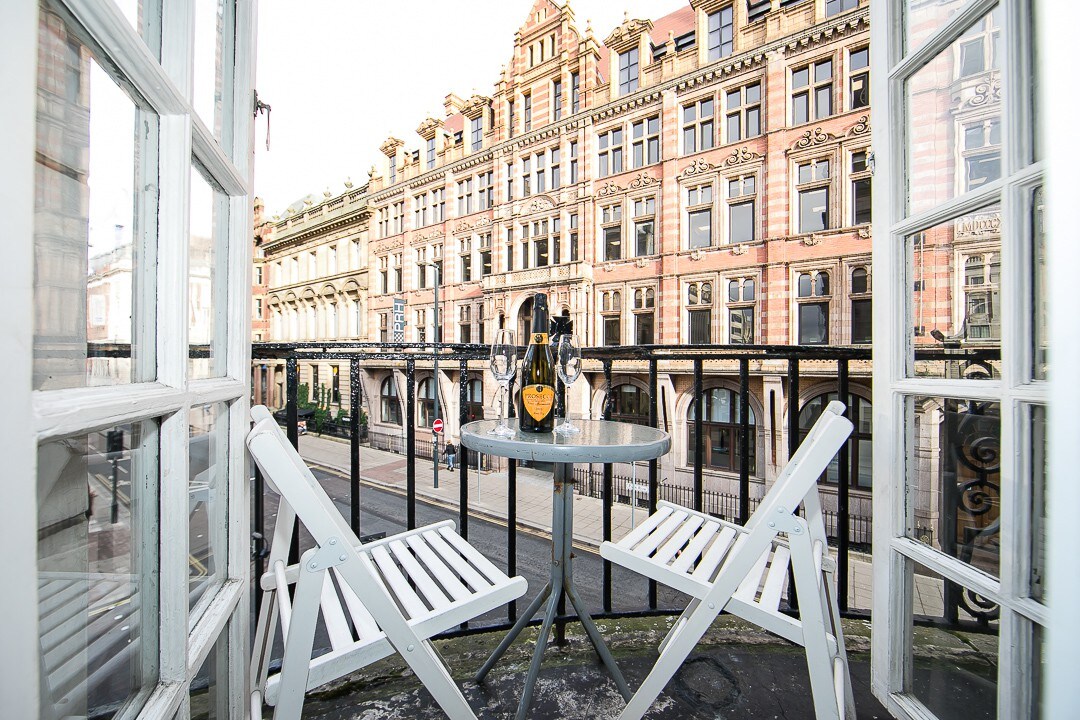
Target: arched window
x,y
861,453
425,402
388,401
474,400
722,431
629,403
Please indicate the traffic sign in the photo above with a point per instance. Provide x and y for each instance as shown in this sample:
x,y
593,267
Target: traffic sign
x,y
436,427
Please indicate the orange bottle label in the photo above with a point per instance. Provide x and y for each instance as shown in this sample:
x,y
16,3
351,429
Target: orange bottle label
x,y
538,400
539,338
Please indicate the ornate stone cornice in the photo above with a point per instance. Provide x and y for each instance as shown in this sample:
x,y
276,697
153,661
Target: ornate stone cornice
x,y
387,194
382,246
425,179
475,106
627,105
465,226
627,33
390,147
826,32
428,128
472,161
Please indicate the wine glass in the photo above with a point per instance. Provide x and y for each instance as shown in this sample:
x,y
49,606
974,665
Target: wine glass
x,y
568,365
504,356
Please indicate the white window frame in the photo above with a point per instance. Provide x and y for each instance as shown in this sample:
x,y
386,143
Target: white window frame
x,y
895,385
37,417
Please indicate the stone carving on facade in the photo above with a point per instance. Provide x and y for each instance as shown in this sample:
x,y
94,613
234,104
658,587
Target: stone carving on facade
x,y
641,262
696,254
427,128
740,156
811,241
698,167
475,106
610,188
538,204
817,136
630,29
987,92
865,232
827,33
977,226
643,180
391,146
739,249
861,126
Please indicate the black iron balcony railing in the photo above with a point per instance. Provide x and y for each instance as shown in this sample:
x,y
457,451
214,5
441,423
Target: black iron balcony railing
x,y
834,364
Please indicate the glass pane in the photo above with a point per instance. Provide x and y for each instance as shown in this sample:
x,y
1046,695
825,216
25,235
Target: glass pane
x,y
742,223
98,571
207,495
209,689
956,297
207,277
211,62
945,99
955,656
144,16
92,247
954,478
813,323
1040,299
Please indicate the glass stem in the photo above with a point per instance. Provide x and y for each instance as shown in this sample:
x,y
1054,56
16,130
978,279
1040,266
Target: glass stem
x,y
502,404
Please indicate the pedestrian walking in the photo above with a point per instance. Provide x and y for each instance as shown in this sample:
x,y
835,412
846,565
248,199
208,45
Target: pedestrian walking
x,y
451,455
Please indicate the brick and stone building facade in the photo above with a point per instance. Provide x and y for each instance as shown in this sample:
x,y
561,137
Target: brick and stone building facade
x,y
700,178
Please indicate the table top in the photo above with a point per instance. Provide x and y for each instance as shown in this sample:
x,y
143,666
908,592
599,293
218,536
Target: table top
x,y
600,441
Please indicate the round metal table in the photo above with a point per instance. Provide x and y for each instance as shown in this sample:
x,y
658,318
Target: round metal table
x,y
600,441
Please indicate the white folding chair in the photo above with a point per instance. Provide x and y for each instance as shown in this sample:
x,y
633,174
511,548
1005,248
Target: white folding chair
x,y
743,569
387,596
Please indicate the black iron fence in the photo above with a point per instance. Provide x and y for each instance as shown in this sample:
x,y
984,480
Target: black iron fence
x,y
732,362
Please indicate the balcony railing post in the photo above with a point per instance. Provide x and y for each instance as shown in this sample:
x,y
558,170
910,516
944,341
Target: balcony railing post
x,y
355,400
292,430
842,496
410,443
744,440
607,493
654,464
699,427
463,452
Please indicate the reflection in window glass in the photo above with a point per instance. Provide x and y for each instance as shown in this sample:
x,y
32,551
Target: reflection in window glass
x,y
211,26
207,274
98,571
953,119
954,478
208,469
1040,299
91,250
955,661
956,297
860,446
1038,502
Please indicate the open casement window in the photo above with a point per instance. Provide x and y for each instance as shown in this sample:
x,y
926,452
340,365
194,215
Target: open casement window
x,y
134,409
959,388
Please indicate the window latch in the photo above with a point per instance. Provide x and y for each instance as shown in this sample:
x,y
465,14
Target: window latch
x,y
261,107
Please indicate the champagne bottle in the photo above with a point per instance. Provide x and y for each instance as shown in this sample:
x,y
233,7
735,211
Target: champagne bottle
x,y
538,374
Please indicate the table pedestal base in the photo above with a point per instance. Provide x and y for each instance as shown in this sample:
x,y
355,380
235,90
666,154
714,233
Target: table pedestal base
x,y
561,583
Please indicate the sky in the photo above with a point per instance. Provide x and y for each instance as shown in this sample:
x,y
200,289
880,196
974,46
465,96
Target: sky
x,y
342,75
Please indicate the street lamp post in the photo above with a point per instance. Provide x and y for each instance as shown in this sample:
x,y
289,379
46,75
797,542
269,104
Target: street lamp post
x,y
434,435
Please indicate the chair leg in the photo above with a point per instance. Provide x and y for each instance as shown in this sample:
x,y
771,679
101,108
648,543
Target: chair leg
x,y
678,623
838,633
683,638
264,638
297,659
815,620
425,662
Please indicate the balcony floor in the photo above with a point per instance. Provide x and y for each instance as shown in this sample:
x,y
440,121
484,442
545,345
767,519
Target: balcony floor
x,y
737,672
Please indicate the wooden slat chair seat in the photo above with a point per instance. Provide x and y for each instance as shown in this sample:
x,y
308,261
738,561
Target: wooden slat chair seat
x,y
744,570
386,596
